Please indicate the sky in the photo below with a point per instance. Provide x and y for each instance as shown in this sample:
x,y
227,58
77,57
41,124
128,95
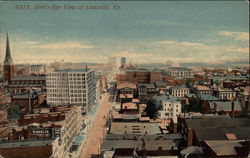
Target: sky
x,y
144,32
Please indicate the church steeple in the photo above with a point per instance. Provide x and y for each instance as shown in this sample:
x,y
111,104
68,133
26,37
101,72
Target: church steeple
x,y
8,59
8,63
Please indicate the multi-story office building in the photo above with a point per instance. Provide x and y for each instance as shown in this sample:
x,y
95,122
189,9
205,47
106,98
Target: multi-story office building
x,y
71,86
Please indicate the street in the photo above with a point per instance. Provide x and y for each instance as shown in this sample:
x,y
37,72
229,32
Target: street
x,y
96,132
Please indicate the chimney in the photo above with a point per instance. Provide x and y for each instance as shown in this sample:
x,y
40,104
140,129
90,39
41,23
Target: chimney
x,y
215,108
247,104
29,97
233,108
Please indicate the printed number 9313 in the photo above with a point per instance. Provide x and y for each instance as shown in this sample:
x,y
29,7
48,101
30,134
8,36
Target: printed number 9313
x,y
22,7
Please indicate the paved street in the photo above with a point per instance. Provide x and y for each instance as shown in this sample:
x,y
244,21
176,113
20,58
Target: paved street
x,y
95,136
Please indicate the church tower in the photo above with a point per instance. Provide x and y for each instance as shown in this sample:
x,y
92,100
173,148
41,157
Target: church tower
x,y
8,63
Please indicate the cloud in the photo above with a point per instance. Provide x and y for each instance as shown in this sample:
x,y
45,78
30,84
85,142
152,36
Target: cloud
x,y
191,44
187,44
64,45
132,55
166,42
28,42
238,50
244,36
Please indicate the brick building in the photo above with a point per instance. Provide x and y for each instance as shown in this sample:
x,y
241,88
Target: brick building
x,y
21,83
129,108
139,76
195,131
125,92
46,133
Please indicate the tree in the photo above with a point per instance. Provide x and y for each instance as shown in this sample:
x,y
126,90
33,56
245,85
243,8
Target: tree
x,y
14,111
194,105
152,108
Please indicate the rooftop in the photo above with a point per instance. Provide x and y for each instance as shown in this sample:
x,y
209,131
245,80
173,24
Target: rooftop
x,y
26,95
218,122
148,86
129,105
160,84
22,143
17,78
166,98
225,105
135,128
125,85
208,97
36,65
221,133
200,88
74,70
179,69
179,87
224,147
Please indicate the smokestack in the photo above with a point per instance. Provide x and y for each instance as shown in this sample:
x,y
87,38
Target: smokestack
x,y
233,108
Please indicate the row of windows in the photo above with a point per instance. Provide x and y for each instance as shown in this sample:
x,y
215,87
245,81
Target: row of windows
x,y
64,79
66,86
180,91
171,110
66,101
27,82
66,95
65,74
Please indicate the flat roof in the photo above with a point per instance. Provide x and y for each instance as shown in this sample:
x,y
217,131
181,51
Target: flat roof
x,y
26,143
16,78
199,87
74,70
129,105
135,128
126,85
179,69
166,98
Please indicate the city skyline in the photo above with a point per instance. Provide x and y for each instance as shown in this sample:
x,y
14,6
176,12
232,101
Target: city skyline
x,y
208,32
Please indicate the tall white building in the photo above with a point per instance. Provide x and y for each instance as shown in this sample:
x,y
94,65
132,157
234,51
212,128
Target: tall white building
x,y
170,107
71,87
